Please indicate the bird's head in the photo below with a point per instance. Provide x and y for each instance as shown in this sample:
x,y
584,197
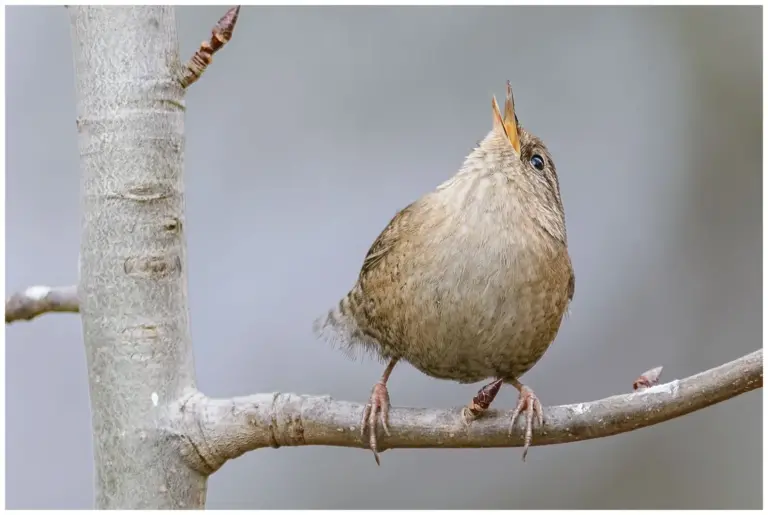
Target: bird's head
x,y
525,159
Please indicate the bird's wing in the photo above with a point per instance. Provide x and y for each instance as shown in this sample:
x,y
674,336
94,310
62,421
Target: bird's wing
x,y
386,241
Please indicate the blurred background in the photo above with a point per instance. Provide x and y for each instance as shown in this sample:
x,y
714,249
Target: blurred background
x,y
331,119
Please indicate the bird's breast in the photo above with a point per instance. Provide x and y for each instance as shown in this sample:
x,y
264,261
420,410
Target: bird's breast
x,y
487,291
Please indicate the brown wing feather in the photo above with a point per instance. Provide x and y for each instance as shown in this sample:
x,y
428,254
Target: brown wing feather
x,y
385,242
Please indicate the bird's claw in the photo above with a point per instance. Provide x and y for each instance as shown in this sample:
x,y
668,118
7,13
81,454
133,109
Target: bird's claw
x,y
377,405
530,403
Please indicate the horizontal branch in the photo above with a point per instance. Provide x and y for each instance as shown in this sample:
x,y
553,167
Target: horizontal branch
x,y
36,300
213,431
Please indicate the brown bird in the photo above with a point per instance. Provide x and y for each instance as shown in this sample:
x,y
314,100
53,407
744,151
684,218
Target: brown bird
x,y
470,281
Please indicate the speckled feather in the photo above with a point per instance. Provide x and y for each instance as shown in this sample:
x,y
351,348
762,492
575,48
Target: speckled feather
x,y
472,280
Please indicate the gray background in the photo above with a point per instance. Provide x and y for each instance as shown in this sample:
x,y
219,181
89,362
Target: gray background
x,y
331,119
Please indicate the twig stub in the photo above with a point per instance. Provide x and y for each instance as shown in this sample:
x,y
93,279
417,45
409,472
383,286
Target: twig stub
x,y
220,36
647,379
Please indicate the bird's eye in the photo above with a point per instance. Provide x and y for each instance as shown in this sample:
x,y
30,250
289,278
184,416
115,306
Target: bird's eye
x,y
538,162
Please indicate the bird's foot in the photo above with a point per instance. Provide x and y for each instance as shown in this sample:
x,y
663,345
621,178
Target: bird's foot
x,y
376,409
480,402
530,405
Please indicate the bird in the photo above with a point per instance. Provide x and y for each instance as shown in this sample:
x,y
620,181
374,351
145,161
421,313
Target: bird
x,y
470,282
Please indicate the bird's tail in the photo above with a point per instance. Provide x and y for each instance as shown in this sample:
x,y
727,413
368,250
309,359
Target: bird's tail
x,y
340,328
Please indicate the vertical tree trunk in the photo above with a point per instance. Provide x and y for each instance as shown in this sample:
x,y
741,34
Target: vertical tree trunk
x,y
133,287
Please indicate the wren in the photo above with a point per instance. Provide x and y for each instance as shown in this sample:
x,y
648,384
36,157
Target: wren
x,y
470,281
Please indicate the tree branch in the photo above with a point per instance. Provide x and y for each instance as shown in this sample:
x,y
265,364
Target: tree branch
x,y
132,262
36,300
212,431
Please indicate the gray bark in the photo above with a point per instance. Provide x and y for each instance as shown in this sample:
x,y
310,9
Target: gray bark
x,y
132,284
36,300
223,429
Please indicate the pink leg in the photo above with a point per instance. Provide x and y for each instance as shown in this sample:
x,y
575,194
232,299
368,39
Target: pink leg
x,y
530,403
377,405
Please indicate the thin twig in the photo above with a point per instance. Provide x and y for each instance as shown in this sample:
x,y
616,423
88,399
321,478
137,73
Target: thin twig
x,y
216,430
36,300
220,36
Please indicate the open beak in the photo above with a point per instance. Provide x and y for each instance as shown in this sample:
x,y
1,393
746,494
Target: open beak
x,y
510,120
507,124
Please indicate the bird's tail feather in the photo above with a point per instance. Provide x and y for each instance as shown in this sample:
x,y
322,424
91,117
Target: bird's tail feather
x,y
339,328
